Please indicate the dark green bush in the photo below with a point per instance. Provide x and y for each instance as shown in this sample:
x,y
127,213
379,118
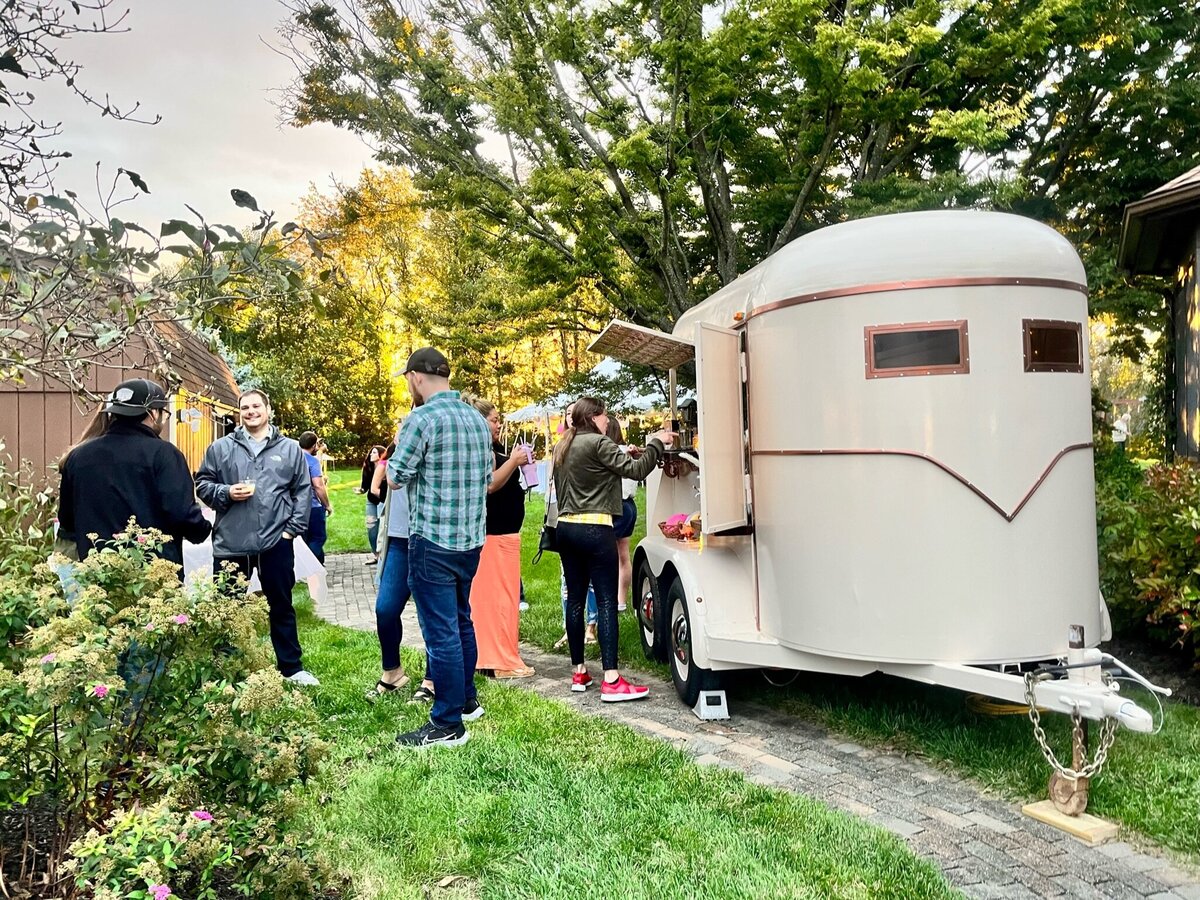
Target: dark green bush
x,y
1148,524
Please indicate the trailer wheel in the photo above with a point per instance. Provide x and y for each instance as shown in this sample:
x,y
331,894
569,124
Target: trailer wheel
x,y
689,678
652,618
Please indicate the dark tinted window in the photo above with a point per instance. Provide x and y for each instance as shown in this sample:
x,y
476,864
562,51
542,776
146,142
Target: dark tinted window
x,y
1053,346
906,349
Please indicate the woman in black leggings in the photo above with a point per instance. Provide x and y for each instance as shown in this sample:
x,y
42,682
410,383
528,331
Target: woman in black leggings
x,y
588,468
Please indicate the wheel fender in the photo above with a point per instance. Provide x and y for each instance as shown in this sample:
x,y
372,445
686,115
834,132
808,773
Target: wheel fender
x,y
668,563
697,614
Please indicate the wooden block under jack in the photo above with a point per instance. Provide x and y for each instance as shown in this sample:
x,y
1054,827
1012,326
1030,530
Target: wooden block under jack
x,y
1085,826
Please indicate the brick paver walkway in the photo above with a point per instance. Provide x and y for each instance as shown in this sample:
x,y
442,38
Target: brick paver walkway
x,y
984,845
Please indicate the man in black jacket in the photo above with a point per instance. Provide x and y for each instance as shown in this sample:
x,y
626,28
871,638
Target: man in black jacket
x,y
127,470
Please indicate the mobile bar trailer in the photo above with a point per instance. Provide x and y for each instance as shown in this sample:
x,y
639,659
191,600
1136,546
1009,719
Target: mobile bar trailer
x,y
890,454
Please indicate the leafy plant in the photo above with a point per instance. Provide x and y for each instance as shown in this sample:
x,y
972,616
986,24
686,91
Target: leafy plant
x,y
26,538
136,700
1149,533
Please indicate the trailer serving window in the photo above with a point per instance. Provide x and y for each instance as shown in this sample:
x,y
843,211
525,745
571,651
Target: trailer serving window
x,y
1053,346
920,348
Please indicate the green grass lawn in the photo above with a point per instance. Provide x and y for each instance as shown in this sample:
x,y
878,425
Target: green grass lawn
x,y
1151,783
347,526
544,802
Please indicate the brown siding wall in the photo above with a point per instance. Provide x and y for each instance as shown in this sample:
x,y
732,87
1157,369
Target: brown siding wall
x,y
40,419
38,427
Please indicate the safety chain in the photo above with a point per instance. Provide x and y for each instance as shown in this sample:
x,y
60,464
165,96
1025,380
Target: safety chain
x,y
1108,732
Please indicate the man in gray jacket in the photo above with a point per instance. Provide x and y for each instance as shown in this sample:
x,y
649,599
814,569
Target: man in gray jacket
x,y
258,483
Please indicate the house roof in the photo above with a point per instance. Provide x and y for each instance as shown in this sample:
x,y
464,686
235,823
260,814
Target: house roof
x,y
1158,231
162,347
198,368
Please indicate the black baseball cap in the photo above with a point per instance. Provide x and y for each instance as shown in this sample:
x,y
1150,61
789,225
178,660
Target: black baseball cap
x,y
135,397
429,361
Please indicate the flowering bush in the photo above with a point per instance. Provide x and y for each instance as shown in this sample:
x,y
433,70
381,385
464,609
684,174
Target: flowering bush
x,y
26,537
1149,533
147,737
158,852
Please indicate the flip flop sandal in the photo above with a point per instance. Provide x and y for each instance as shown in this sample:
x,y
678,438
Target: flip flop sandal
x,y
422,695
382,688
523,672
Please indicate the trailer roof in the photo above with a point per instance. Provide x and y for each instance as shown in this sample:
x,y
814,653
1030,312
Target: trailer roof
x,y
891,253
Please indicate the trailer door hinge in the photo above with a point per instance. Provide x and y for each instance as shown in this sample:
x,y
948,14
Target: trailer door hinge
x,y
742,365
746,484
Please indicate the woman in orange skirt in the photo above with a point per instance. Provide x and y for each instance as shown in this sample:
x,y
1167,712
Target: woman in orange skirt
x,y
496,588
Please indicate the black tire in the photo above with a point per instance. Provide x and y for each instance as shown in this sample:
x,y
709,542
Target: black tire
x,y
651,617
689,679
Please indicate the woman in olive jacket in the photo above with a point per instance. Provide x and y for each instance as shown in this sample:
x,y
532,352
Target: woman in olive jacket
x,y
588,468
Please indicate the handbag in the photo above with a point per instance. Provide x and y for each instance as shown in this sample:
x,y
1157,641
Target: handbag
x,y
548,539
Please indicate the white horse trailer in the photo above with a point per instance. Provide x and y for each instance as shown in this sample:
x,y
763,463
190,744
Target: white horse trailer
x,y
892,465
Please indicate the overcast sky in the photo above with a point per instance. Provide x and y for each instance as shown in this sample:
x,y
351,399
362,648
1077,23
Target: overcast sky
x,y
205,67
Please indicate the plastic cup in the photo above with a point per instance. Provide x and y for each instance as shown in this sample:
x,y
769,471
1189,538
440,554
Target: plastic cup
x,y
249,484
529,470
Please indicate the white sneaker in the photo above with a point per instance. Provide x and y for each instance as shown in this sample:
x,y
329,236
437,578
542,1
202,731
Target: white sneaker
x,y
522,606
304,678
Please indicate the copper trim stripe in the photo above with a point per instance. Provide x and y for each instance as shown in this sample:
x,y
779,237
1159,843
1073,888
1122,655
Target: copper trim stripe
x,y
917,284
1008,517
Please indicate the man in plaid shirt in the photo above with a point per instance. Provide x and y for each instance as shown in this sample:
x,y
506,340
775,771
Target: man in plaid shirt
x,y
443,457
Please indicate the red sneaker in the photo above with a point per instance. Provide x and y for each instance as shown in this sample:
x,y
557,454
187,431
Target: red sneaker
x,y
616,691
580,682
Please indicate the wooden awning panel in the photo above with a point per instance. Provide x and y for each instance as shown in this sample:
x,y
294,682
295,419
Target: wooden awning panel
x,y
642,346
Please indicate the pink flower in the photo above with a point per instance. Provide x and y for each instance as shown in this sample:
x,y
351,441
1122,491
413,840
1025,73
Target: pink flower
x,y
141,539
49,658
160,891
100,690
202,814
181,619
149,626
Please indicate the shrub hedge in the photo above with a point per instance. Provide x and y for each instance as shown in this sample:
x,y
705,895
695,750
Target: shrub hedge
x,y
1148,526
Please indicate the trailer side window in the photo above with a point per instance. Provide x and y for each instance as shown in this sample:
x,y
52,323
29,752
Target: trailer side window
x,y
1053,346
925,348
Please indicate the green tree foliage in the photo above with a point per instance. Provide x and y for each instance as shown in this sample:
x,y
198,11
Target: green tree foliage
x,y
1148,525
1115,117
660,149
319,352
388,276
511,342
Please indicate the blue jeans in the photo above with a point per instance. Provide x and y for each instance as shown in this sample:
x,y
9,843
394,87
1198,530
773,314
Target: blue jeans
x,y
316,534
373,510
440,580
390,601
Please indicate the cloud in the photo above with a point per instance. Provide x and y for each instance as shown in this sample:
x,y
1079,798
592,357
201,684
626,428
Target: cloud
x,y
207,70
